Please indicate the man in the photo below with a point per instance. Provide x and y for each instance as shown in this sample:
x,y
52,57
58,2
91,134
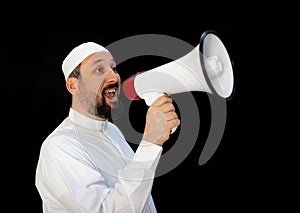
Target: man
x,y
85,164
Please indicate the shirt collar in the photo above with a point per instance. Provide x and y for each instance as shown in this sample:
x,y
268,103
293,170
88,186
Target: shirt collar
x,y
86,122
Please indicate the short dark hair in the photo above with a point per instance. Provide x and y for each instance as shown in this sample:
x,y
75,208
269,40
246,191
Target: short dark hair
x,y
75,73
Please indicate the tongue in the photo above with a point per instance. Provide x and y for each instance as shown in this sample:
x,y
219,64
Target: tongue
x,y
110,94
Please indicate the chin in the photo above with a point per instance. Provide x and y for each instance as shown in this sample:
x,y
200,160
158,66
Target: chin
x,y
111,102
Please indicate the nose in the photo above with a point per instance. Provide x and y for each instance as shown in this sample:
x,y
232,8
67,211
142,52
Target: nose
x,y
112,76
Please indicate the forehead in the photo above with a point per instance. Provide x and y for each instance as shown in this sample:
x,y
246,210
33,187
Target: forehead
x,y
97,57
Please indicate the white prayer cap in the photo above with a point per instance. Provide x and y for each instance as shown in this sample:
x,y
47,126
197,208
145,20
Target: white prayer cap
x,y
78,54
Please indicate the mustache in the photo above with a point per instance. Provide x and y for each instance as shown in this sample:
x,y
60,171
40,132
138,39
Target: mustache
x,y
110,86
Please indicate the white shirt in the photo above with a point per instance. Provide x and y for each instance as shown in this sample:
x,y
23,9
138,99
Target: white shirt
x,y
86,165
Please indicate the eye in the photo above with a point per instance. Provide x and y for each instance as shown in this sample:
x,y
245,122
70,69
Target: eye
x,y
100,69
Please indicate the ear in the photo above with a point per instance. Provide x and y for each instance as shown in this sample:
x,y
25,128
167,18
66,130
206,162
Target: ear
x,y
71,84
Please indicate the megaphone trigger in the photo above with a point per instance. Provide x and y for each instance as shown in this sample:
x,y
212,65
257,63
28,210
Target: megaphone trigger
x,y
173,130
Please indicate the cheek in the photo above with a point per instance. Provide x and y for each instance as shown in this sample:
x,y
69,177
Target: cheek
x,y
99,90
99,100
97,86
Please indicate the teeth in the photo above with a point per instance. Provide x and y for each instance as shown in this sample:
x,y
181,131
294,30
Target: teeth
x,y
111,90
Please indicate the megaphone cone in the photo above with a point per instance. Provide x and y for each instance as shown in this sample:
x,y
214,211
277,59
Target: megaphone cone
x,y
206,68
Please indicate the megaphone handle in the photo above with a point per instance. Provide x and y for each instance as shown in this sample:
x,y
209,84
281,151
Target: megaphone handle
x,y
151,97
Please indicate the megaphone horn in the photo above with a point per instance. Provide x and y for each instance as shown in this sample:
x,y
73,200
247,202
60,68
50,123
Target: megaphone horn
x,y
206,68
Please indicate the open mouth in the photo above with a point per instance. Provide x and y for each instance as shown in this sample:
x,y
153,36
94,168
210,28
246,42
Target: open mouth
x,y
110,92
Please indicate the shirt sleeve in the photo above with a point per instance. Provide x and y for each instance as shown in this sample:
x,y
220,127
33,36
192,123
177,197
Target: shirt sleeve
x,y
137,177
67,180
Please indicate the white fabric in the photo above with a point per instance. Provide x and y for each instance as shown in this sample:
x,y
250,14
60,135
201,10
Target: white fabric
x,y
87,166
78,54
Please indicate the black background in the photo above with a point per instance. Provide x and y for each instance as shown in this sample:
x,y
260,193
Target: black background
x,y
247,172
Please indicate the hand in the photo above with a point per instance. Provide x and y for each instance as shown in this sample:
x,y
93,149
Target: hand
x,y
160,119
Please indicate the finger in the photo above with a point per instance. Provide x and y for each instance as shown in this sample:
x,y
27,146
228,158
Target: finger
x,y
162,100
171,116
168,107
165,108
172,123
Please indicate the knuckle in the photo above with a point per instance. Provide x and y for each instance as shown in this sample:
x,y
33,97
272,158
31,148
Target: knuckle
x,y
171,107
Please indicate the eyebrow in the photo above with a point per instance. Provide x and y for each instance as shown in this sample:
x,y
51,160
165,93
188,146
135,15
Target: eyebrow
x,y
100,60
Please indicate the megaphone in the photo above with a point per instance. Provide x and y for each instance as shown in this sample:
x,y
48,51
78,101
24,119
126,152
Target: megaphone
x,y
207,68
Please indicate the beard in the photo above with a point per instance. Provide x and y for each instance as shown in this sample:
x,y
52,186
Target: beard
x,y
103,110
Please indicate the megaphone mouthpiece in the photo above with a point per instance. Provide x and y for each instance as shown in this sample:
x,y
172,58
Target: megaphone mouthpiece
x,y
129,90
